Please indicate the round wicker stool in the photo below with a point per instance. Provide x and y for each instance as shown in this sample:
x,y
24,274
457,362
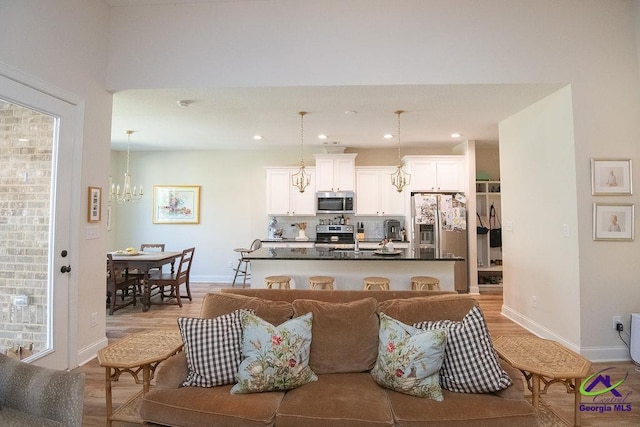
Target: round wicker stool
x,y
283,282
322,282
381,283
419,283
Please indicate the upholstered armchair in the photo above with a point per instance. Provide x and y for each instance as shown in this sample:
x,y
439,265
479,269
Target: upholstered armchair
x,y
32,395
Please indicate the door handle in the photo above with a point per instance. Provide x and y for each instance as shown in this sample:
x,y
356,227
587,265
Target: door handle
x,y
65,269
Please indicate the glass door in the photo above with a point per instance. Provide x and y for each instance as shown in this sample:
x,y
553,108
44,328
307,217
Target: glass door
x,y
36,139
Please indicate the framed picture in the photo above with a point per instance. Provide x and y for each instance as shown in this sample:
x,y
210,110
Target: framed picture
x,y
94,210
176,204
610,176
613,221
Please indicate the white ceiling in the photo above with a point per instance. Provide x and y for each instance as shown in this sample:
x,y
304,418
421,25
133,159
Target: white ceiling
x,y
228,118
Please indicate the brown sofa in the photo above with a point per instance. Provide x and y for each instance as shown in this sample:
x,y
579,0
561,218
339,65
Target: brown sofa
x,y
341,396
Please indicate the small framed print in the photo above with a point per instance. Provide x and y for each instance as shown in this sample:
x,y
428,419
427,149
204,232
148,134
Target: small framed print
x,y
176,204
611,176
613,221
94,213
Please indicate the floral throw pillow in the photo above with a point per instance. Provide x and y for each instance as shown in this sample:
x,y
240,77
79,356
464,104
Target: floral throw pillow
x,y
275,358
470,362
409,359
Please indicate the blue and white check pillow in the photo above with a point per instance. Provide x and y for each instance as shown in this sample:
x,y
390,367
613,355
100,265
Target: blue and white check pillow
x,y
213,348
470,361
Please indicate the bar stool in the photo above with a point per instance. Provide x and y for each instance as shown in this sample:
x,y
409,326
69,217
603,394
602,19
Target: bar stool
x,y
373,282
419,283
322,282
283,282
242,269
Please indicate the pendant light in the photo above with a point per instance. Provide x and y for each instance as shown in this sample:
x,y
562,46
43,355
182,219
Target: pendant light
x,y
127,195
400,178
301,179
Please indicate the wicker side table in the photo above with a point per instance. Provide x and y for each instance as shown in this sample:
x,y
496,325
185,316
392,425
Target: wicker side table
x,y
134,353
539,359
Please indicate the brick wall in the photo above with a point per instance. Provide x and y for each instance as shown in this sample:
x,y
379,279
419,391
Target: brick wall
x,y
26,141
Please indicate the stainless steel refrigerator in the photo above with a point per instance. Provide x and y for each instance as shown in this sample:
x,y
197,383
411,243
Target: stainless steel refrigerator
x,y
439,222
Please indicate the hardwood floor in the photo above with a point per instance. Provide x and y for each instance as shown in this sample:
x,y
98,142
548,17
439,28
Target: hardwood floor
x,y
132,319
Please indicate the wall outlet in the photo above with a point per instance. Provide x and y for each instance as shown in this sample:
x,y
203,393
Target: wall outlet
x,y
230,264
94,319
616,320
534,301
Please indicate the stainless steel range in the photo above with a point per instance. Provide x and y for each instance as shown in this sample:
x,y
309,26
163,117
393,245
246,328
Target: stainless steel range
x,y
335,236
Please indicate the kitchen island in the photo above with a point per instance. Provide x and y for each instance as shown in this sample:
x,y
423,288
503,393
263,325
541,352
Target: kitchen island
x,y
349,268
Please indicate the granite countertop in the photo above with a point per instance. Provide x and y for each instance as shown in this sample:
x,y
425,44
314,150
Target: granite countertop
x,y
309,254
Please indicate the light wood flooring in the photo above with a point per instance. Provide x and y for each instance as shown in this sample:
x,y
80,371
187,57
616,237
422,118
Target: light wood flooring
x,y
132,319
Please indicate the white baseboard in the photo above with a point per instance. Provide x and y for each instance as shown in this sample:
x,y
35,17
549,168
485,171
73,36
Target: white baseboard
x,y
88,353
211,279
594,354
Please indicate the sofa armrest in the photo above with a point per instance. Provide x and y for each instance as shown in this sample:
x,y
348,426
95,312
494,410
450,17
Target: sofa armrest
x,y
47,393
516,390
172,372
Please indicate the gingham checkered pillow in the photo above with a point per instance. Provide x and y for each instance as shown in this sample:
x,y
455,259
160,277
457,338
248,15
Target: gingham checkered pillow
x,y
470,361
213,348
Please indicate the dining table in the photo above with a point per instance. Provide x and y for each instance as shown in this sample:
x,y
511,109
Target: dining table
x,y
143,261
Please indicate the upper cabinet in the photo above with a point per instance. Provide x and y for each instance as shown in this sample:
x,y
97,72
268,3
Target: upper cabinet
x,y
431,173
335,172
374,193
285,199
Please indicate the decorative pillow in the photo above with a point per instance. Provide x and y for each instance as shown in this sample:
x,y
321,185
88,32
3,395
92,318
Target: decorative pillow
x,y
470,362
409,359
212,347
345,335
275,358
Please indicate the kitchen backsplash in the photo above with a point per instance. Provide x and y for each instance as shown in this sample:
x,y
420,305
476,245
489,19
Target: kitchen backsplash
x,y
373,225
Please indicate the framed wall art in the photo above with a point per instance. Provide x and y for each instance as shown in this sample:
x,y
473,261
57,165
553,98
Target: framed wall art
x,y
94,209
613,221
611,176
176,204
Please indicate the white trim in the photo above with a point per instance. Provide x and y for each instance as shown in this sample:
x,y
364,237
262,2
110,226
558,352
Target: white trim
x,y
88,353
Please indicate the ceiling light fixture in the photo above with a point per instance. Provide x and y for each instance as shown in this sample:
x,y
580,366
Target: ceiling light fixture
x,y
456,135
301,179
184,103
322,136
387,136
127,195
400,178
257,137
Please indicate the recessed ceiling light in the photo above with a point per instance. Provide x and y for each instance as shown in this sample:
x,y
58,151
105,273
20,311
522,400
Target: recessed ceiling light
x,y
350,112
257,137
23,139
387,136
456,135
322,136
184,103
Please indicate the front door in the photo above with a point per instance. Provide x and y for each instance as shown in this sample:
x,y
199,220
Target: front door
x,y
36,148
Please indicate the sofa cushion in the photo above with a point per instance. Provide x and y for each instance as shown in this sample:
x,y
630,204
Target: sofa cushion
x,y
274,357
409,359
213,348
419,309
461,410
218,303
345,335
340,400
470,362
204,407
12,417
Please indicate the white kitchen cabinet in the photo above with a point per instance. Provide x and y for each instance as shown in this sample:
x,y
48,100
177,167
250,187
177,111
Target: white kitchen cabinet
x,y
430,173
285,199
335,172
374,193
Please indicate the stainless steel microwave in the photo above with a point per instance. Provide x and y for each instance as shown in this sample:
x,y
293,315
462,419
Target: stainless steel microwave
x,y
335,202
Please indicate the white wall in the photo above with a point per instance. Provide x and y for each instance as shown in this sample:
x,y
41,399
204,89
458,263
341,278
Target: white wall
x,y
588,44
63,43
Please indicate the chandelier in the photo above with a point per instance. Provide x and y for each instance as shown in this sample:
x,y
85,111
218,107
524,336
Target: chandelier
x,y
400,178
301,179
127,194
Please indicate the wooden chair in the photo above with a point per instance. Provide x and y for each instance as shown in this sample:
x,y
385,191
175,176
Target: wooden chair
x,y
118,280
148,247
242,269
173,280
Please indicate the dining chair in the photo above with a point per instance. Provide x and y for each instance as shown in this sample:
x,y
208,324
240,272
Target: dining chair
x,y
242,269
119,280
146,247
174,280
